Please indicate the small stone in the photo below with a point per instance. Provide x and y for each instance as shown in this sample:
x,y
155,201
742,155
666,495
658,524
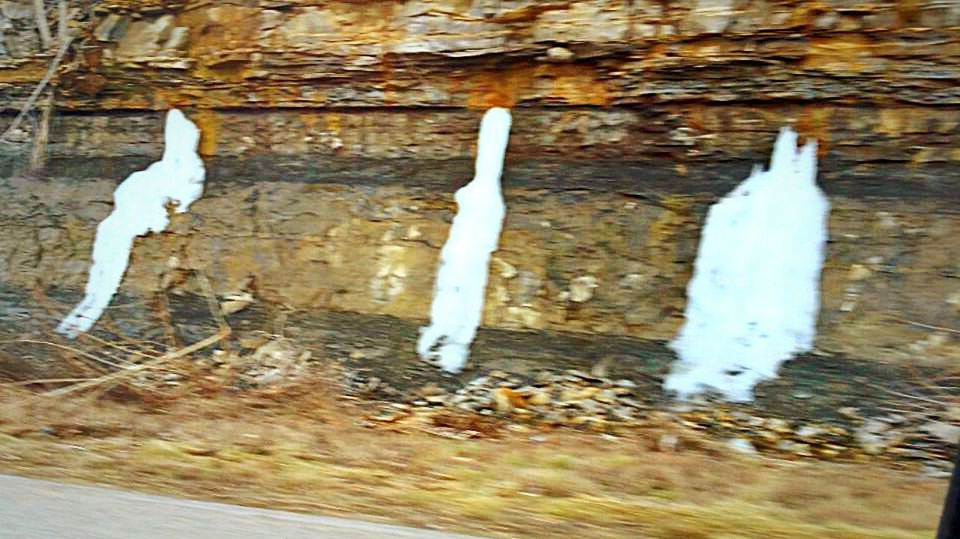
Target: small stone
x,y
430,390
622,413
778,425
587,405
808,433
581,288
943,431
936,472
507,270
540,398
769,438
827,452
627,384
803,395
786,446
553,418
952,413
873,449
588,393
560,54
596,424
858,272
668,443
742,445
506,400
235,303
850,412
600,368
607,396
436,400
387,416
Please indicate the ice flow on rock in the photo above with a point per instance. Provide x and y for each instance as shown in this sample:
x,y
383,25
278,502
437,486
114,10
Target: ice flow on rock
x,y
465,258
140,207
754,297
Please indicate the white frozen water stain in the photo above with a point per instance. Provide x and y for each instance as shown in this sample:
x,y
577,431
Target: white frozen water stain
x,y
140,207
754,297
464,261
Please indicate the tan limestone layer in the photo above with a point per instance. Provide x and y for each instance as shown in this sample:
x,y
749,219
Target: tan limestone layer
x,y
582,262
375,53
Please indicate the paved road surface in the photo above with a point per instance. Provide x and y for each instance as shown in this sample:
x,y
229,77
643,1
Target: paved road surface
x,y
32,509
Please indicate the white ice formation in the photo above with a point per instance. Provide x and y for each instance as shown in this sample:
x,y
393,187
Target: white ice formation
x,y
140,207
464,261
754,297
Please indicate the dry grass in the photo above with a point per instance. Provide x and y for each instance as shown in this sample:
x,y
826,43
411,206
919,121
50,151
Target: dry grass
x,y
298,448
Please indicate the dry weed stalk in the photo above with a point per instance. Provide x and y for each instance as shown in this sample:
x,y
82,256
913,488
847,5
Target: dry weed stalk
x,y
936,397
95,359
138,368
212,303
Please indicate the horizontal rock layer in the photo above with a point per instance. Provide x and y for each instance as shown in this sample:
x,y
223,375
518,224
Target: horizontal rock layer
x,y
577,261
335,133
266,53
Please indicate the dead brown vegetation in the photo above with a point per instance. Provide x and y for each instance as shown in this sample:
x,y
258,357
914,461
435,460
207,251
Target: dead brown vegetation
x,y
303,448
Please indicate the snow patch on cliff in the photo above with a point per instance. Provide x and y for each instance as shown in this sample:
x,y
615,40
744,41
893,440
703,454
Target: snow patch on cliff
x,y
465,258
140,207
754,297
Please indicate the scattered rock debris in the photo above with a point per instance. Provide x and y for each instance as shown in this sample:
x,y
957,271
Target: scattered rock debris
x,y
581,400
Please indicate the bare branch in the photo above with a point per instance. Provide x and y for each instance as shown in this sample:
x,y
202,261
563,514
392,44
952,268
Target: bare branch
x,y
32,100
40,14
130,371
38,157
927,326
63,20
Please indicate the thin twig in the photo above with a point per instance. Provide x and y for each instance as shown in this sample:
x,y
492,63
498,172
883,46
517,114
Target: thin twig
x,y
38,156
117,346
212,302
130,371
915,397
927,326
40,14
163,313
63,20
76,351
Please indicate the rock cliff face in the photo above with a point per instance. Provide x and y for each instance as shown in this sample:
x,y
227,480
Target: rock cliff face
x,y
335,133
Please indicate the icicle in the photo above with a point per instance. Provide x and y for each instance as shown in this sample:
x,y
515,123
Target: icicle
x,y
754,297
139,208
462,276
